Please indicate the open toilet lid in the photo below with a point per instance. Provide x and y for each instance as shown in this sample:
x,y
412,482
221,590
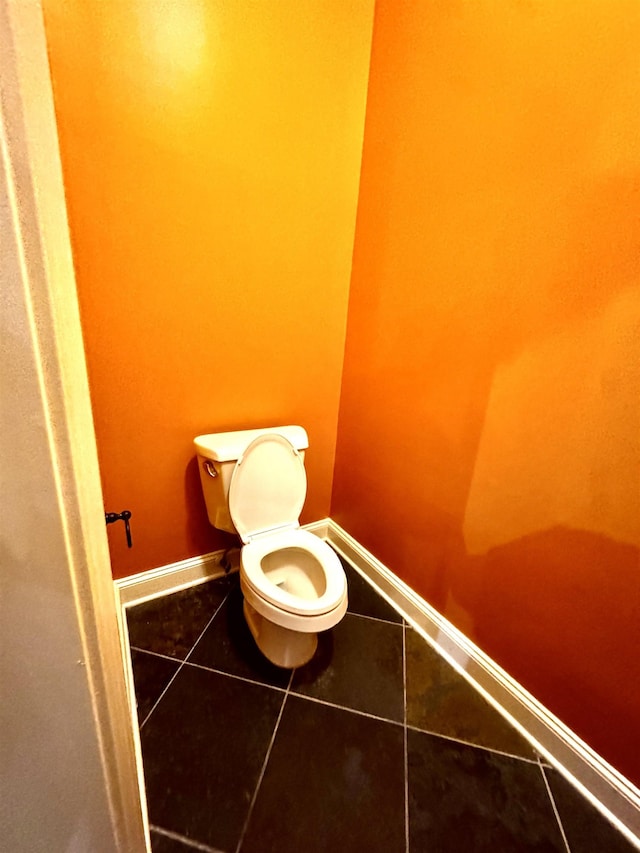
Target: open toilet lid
x,y
268,487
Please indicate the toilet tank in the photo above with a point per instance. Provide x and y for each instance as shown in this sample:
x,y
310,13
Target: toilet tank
x,y
218,453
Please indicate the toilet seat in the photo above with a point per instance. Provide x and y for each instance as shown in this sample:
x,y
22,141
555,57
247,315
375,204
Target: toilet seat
x,y
326,563
268,487
266,495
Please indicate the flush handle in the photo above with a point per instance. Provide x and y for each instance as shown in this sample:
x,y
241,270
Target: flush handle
x,y
125,515
209,468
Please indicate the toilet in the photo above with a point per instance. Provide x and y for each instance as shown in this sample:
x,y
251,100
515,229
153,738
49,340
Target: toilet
x,y
254,484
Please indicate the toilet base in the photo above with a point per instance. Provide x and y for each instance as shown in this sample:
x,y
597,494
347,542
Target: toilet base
x,y
282,646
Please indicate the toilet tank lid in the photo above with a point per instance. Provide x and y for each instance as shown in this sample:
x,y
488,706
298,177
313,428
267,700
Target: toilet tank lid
x,y
227,446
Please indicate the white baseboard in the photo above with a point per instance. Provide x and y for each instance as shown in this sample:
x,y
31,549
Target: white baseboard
x,y
610,792
320,528
173,577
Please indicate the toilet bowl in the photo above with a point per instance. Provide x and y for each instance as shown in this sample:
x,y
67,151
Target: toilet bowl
x,y
293,587
292,582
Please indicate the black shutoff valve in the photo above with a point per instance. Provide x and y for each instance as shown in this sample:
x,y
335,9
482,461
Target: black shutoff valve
x,y
125,515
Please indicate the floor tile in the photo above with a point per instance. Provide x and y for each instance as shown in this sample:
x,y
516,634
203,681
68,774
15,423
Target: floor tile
x,y
227,645
465,798
364,599
334,781
585,828
441,701
151,674
358,665
203,750
170,625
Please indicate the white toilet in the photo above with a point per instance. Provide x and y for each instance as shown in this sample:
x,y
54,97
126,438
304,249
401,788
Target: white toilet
x,y
293,584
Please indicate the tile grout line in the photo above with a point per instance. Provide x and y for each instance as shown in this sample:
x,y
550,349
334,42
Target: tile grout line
x,y
182,663
237,677
264,766
553,806
200,636
188,842
375,618
155,704
406,748
431,733
346,708
177,661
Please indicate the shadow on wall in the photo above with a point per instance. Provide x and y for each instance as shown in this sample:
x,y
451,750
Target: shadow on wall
x,y
560,610
510,488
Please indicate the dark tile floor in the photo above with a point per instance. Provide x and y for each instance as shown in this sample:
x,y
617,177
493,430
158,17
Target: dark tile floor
x,y
376,745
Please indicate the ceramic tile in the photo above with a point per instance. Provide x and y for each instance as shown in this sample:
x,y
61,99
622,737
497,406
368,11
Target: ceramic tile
x,y
151,674
170,625
465,798
585,828
439,700
364,600
227,645
358,665
203,750
334,781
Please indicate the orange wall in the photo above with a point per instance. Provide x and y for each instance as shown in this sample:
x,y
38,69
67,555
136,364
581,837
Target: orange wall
x,y
489,431
211,155
489,434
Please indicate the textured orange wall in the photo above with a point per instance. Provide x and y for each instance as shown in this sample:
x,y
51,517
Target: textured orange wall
x,y
489,431
211,155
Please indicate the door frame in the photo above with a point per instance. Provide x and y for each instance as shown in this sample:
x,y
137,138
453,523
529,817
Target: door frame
x,y
45,333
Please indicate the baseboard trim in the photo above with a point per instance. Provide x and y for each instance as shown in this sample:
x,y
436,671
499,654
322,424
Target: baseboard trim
x,y
170,578
609,791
